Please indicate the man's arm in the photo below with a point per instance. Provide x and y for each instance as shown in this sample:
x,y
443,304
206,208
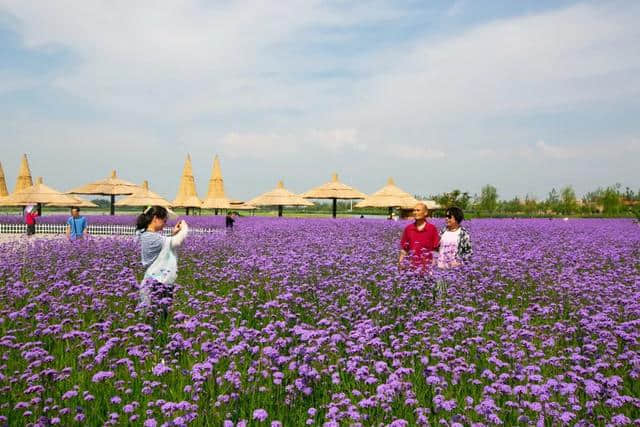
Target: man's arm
x,y
404,246
436,239
403,254
68,231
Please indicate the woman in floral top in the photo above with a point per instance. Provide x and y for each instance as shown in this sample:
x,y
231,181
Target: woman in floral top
x,y
455,242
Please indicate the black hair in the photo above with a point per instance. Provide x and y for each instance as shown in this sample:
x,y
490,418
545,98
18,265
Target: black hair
x,y
145,218
455,212
75,208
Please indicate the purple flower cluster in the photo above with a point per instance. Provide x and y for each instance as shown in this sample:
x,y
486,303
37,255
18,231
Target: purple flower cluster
x,y
309,322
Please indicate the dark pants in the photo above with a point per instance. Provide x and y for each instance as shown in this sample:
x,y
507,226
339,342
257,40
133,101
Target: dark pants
x,y
157,297
31,229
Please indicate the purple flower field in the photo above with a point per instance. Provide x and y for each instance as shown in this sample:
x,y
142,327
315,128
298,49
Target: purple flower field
x,y
309,322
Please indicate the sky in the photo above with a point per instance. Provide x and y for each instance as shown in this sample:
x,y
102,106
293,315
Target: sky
x,y
525,95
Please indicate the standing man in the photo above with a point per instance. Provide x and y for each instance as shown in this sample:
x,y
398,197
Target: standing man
x,y
419,240
76,225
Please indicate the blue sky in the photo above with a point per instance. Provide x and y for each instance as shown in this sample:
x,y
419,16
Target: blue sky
x,y
525,95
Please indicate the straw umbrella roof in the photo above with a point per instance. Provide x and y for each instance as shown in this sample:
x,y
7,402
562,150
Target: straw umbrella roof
x,y
144,197
389,196
111,186
216,197
242,206
39,193
3,184
216,203
334,189
279,196
79,203
24,175
187,196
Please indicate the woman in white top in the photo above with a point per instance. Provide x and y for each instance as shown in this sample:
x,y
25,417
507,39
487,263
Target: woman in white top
x,y
455,242
158,257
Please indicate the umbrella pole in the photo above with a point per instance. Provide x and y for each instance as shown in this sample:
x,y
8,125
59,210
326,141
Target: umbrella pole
x,y
215,211
39,209
390,210
279,210
186,211
335,207
112,208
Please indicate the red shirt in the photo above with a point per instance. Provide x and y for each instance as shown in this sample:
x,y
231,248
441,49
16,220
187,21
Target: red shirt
x,y
420,244
31,218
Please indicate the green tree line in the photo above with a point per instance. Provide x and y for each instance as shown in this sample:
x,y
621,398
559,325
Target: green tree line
x,y
609,201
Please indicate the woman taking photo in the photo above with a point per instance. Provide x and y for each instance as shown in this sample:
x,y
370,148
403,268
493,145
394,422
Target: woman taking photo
x,y
158,257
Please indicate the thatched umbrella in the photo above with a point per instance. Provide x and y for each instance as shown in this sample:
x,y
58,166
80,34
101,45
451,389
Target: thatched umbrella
x,y
187,196
279,197
334,190
79,203
242,206
144,197
111,186
216,197
3,184
390,196
39,194
24,175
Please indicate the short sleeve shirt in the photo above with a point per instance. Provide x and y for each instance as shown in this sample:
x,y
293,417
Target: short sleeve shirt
x,y
77,226
420,244
151,246
448,248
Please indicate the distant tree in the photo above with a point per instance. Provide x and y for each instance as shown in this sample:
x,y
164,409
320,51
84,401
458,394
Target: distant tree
x,y
593,196
488,200
553,201
629,194
453,198
592,201
463,201
511,206
102,203
611,200
568,203
530,204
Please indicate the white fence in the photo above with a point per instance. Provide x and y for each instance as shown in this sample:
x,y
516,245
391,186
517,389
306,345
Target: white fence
x,y
95,229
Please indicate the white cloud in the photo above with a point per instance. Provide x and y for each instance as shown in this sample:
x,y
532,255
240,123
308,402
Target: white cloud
x,y
410,152
190,59
336,140
557,152
177,60
10,82
556,61
258,145
270,145
632,145
456,8
224,77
